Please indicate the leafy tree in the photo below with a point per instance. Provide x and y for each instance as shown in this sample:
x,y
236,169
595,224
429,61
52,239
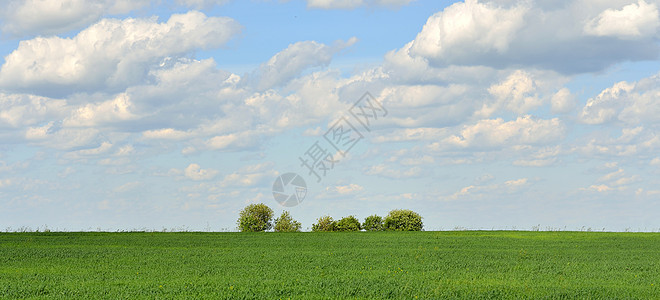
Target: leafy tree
x,y
349,223
285,223
255,217
403,220
324,223
373,223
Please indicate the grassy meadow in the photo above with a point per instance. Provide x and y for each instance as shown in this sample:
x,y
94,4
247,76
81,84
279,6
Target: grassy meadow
x,y
334,265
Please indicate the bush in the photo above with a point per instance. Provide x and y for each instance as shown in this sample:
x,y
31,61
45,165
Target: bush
x,y
285,223
255,217
324,223
349,223
403,220
373,223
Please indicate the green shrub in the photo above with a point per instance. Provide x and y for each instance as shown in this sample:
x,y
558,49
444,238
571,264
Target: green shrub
x,y
285,223
324,223
349,223
373,223
403,220
255,217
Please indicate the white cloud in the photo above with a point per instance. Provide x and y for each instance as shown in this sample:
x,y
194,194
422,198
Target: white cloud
x,y
517,92
109,55
115,110
413,161
125,150
195,172
6,182
498,133
631,103
412,134
542,34
633,21
199,4
629,142
127,187
618,178
422,96
613,181
52,135
533,162
601,188
389,172
655,161
467,27
250,175
4,167
529,156
297,57
484,179
46,17
313,131
165,134
481,191
345,189
516,183
563,101
103,148
20,110
350,4
604,107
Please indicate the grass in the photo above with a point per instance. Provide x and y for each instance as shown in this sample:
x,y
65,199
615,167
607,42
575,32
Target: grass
x,y
409,265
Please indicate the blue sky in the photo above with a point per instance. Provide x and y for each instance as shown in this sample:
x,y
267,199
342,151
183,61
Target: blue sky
x,y
502,114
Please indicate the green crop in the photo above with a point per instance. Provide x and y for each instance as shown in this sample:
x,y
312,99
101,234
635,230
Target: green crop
x,y
331,265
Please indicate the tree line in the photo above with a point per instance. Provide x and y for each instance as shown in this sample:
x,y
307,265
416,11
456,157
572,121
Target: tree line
x,y
259,217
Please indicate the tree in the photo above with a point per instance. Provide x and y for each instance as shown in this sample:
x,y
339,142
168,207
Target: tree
x,y
373,223
349,223
285,223
403,220
324,223
255,217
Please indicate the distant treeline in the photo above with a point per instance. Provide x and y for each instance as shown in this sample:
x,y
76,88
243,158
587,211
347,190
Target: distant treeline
x,y
259,217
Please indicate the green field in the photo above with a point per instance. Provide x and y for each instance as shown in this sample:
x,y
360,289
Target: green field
x,y
407,265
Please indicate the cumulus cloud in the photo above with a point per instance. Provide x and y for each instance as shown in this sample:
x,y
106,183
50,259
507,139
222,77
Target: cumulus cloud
x,y
524,130
633,21
613,181
48,17
563,101
604,107
290,62
350,4
413,134
631,103
481,191
537,157
52,135
517,92
20,110
621,142
505,34
344,189
165,134
128,187
109,55
115,110
250,175
467,27
195,172
384,170
199,4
